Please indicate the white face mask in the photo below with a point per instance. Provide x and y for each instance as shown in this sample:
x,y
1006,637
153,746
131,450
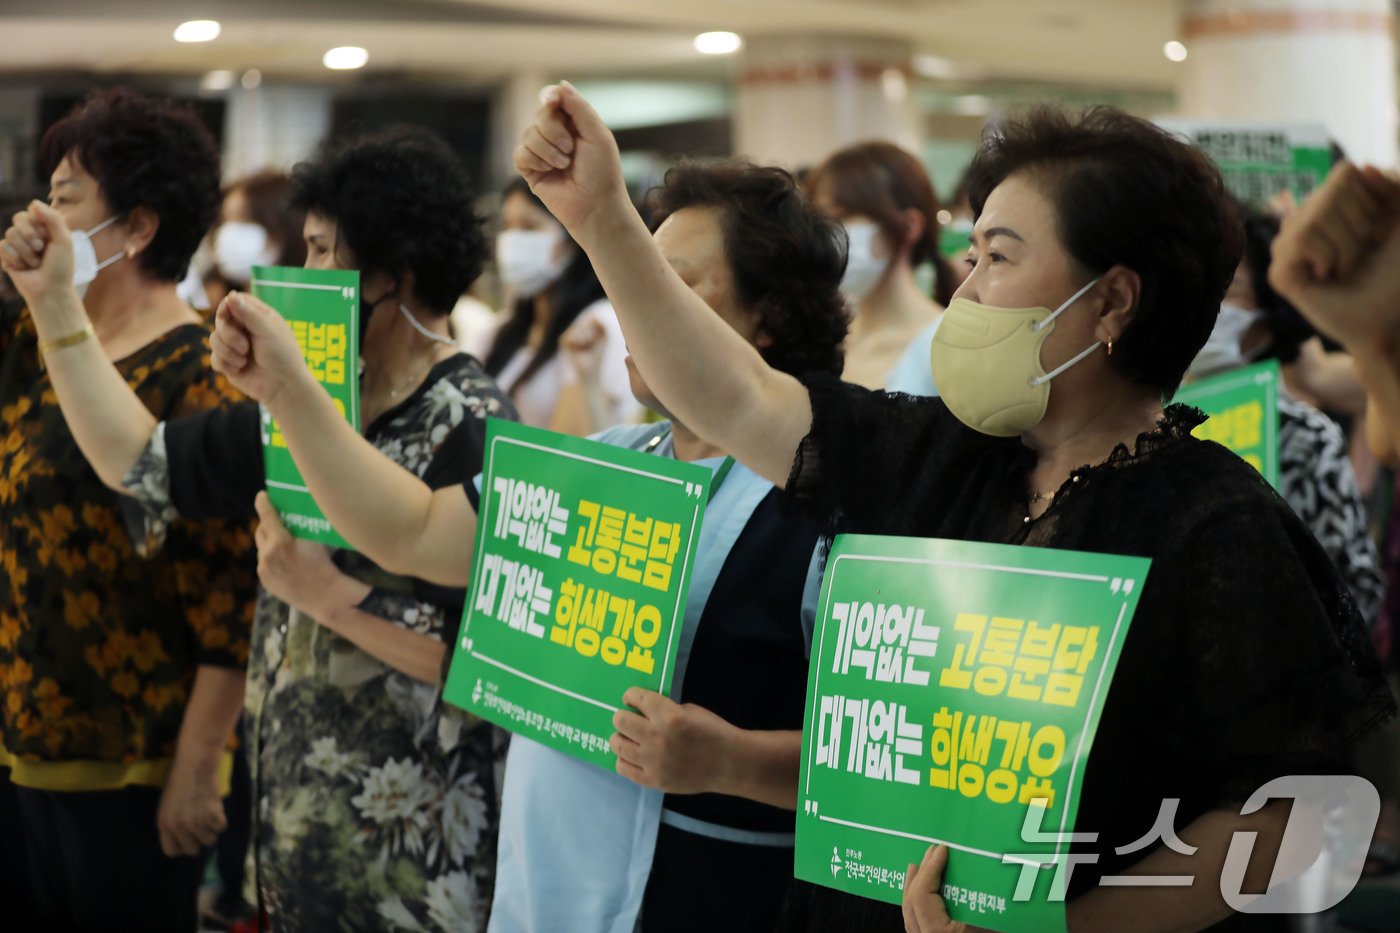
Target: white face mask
x,y
525,260
863,268
238,247
1222,349
85,264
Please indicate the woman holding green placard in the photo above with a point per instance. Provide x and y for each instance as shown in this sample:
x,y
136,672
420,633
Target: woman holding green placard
x,y
1246,659
1315,472
375,807
1125,240
706,781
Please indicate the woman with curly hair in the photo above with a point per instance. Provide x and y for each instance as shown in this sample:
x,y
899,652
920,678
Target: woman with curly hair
x,y
695,831
375,807
121,670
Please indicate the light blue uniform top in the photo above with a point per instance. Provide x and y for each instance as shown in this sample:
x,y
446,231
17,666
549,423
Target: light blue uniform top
x,y
577,841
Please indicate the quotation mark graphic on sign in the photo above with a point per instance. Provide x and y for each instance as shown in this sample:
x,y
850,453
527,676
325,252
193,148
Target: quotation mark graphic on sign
x,y
1120,585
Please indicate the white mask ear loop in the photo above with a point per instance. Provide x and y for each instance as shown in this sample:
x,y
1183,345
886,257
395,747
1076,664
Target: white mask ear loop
x,y
118,255
1059,369
403,309
1041,380
1060,310
103,226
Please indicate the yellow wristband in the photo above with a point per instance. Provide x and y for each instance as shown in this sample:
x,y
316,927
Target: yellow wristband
x,y
73,339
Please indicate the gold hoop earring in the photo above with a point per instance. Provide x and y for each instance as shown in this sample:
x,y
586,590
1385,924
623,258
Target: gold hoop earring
x,y
1110,348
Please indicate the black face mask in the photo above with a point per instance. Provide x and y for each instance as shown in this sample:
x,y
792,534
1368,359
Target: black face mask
x,y
366,309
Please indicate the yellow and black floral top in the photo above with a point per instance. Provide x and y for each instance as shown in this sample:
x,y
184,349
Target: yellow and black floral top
x,y
99,645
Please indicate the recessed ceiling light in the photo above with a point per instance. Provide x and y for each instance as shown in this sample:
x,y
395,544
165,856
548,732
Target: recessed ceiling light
x,y
252,78
1175,51
345,58
197,30
718,43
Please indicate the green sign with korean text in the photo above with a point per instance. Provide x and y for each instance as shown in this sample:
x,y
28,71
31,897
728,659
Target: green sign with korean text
x,y
583,560
954,693
1260,161
1242,406
323,307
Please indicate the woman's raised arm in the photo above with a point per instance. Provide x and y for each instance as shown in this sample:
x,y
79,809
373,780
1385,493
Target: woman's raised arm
x,y
383,510
110,424
708,376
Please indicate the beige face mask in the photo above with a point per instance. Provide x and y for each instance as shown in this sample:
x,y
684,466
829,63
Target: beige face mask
x,y
986,363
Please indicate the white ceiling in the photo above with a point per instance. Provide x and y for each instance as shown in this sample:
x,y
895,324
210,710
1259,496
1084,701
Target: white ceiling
x,y
1111,42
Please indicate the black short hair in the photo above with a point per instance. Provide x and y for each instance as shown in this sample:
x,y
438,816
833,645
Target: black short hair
x,y
1288,329
146,153
401,201
1127,192
787,257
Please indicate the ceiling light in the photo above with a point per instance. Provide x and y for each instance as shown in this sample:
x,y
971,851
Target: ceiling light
x,y
252,78
197,30
718,43
1175,51
345,58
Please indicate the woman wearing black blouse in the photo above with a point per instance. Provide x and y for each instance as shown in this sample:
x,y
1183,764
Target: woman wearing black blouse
x,y
1246,660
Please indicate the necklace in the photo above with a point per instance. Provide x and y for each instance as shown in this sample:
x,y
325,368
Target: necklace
x,y
394,393
1046,497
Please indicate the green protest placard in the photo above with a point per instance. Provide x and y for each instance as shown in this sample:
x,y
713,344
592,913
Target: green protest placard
x,y
1243,409
955,688
582,564
1260,160
323,307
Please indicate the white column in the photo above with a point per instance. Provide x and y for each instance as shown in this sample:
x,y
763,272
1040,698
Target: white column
x,y
273,126
1327,62
800,98
513,109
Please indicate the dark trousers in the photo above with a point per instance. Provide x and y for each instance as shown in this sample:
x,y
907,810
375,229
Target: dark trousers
x,y
703,885
231,851
93,862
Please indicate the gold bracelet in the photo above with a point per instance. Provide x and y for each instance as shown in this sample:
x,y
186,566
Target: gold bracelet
x,y
71,340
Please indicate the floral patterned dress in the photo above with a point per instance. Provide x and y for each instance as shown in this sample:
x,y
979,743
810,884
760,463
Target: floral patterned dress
x,y
376,806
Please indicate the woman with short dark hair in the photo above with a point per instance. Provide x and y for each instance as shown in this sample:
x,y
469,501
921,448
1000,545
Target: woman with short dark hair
x,y
1100,254
586,850
582,849
123,670
374,806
